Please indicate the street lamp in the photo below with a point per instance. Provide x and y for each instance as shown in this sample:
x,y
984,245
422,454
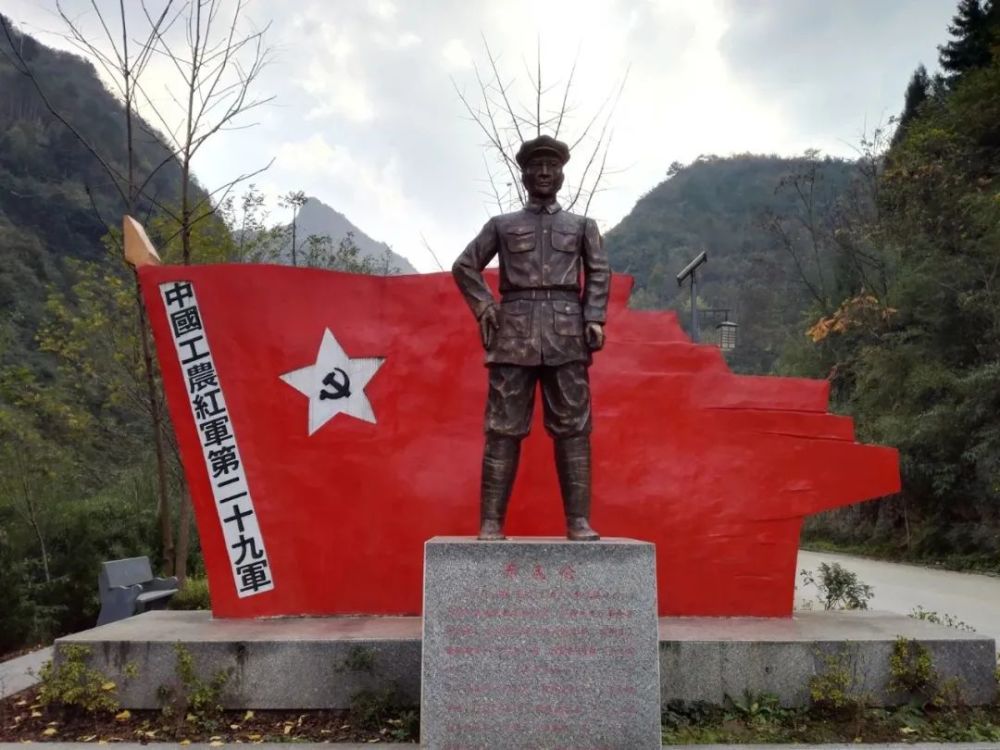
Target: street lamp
x,y
726,329
689,270
727,335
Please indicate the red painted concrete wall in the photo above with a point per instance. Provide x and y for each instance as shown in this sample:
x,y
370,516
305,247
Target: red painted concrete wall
x,y
717,469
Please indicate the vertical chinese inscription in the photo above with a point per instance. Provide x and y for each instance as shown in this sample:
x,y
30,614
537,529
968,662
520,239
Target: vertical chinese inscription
x,y
240,529
540,644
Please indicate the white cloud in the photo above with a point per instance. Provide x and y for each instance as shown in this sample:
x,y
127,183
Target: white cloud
x,y
334,77
366,118
340,95
370,193
406,39
384,10
456,55
395,40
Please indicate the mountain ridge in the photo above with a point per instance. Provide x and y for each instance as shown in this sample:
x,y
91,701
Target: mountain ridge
x,y
721,205
320,219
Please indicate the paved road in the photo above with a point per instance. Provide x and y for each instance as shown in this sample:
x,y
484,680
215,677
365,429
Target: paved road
x,y
18,674
974,599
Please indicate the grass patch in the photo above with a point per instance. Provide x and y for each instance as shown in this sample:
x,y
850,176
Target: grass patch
x,y
761,719
193,594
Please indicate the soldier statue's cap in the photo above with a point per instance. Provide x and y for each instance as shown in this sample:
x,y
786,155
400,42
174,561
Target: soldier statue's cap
x,y
541,143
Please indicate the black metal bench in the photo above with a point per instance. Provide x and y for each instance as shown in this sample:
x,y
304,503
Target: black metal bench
x,y
127,587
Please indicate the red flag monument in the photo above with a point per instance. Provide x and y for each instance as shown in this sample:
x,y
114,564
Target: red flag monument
x,y
330,423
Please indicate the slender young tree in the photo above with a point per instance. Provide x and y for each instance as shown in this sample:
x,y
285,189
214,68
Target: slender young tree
x,y
217,64
295,200
508,114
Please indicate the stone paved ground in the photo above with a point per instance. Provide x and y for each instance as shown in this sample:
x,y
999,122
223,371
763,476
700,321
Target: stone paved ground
x,y
17,674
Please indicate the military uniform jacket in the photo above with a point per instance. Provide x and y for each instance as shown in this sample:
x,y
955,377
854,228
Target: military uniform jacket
x,y
543,252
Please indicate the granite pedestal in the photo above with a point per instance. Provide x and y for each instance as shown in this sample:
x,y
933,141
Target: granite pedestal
x,y
539,643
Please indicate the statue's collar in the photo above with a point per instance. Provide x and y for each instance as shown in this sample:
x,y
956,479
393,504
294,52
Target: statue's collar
x,y
536,207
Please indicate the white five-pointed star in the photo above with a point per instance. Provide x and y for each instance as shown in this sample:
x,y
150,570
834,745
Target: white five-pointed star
x,y
335,384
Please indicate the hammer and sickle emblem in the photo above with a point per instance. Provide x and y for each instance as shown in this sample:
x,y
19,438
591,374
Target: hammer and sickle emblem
x,y
341,388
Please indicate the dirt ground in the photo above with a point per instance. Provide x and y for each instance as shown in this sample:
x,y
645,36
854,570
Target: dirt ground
x,y
23,718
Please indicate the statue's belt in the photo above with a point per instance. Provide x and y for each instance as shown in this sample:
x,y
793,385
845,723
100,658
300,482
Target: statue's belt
x,y
568,295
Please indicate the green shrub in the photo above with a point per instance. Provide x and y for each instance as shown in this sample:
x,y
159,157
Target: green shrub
x,y
193,594
375,709
919,613
833,690
679,714
755,710
839,588
359,659
69,681
911,668
405,727
193,700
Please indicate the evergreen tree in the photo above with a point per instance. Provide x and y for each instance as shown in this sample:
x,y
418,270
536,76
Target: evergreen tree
x,y
974,28
917,91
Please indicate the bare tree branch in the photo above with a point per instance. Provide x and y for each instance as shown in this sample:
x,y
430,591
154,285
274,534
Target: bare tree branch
x,y
430,249
502,88
505,121
219,66
597,180
565,99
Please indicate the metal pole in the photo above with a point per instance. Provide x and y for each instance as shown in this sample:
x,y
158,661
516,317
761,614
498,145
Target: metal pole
x,y
694,306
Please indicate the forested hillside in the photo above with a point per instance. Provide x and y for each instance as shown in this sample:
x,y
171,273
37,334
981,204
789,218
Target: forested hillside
x,y
77,479
89,469
878,274
56,196
740,210
916,357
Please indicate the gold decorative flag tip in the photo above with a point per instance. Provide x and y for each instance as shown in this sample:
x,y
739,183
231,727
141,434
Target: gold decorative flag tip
x,y
139,251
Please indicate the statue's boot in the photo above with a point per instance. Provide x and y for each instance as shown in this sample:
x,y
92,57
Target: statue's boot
x,y
573,467
500,459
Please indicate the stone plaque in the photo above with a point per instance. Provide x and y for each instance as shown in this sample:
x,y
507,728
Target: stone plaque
x,y
539,644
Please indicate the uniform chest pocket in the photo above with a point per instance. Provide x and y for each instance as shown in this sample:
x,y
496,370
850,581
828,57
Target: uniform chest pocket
x,y
515,319
520,239
567,318
565,241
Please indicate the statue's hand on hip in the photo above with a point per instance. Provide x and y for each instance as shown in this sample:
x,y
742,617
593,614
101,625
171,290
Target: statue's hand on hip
x,y
489,324
594,334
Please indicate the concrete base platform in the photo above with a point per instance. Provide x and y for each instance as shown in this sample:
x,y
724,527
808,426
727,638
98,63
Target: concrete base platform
x,y
303,662
322,662
709,658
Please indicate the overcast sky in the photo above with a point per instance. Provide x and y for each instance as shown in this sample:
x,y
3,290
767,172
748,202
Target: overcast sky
x,y
366,116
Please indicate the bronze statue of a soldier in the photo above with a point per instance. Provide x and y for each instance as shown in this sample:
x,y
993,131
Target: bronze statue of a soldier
x,y
545,328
